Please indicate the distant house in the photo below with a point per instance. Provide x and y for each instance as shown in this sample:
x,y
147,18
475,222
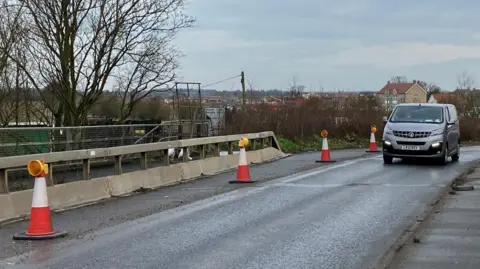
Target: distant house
x,y
396,93
466,100
459,95
213,100
272,100
442,98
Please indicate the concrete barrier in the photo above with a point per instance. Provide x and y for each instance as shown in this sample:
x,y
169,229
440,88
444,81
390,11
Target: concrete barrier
x,y
17,204
147,179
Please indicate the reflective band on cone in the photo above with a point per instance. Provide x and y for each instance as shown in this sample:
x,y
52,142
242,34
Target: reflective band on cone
x,y
40,226
373,144
243,173
325,154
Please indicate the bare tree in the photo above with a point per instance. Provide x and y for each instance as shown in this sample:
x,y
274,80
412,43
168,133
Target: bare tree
x,y
431,88
7,111
251,89
144,73
398,79
15,98
150,108
296,90
107,106
5,46
320,87
468,101
8,21
83,45
465,81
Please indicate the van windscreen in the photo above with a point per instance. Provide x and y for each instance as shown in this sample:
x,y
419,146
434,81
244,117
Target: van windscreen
x,y
417,114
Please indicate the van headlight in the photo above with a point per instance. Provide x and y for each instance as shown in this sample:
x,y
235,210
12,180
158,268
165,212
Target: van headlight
x,y
436,132
387,131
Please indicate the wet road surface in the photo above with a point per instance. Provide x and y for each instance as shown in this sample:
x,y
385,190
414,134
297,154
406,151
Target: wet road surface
x,y
341,216
82,221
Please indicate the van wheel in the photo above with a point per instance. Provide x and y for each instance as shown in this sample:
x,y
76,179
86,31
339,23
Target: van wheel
x,y
456,156
387,159
444,159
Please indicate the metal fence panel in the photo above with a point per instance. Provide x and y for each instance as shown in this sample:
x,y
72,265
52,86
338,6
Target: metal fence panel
x,y
216,120
17,141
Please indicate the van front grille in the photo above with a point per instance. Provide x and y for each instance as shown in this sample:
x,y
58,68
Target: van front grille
x,y
412,143
408,134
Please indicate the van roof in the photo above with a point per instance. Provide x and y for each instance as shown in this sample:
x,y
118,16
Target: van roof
x,y
424,104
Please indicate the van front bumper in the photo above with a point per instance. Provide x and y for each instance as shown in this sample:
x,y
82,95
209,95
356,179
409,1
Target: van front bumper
x,y
431,147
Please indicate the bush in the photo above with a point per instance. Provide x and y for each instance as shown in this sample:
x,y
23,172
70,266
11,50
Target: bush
x,y
468,107
348,122
469,129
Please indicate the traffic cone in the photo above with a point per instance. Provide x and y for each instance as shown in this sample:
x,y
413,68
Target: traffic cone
x,y
373,143
325,153
243,173
40,226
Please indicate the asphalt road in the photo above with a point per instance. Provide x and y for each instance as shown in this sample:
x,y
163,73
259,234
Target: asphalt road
x,y
341,216
81,221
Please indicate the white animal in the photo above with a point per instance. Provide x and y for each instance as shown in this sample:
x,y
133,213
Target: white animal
x,y
180,155
171,154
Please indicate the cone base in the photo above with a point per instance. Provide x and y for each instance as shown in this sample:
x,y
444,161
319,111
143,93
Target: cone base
x,y
242,181
373,151
24,236
326,161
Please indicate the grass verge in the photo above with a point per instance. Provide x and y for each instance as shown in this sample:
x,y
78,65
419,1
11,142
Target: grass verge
x,y
315,143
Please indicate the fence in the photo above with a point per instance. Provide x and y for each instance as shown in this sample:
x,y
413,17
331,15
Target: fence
x,y
34,140
9,166
216,118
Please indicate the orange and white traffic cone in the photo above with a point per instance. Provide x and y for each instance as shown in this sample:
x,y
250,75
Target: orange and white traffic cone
x,y
325,153
373,143
243,173
40,226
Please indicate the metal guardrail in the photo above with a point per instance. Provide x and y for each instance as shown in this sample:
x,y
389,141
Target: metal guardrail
x,y
86,156
15,141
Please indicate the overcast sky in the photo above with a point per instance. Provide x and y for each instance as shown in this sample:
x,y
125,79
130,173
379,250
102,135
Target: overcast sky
x,y
343,44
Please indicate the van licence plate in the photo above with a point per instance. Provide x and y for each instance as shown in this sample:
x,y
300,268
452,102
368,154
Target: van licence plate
x,y
410,147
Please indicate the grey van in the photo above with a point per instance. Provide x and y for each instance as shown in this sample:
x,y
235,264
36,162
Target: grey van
x,y
422,131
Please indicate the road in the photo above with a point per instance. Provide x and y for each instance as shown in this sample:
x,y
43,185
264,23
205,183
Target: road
x,y
340,216
81,221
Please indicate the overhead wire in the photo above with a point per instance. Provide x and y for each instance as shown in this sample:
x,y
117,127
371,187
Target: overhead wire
x,y
221,81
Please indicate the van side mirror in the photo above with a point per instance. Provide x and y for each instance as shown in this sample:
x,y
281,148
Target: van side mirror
x,y
385,119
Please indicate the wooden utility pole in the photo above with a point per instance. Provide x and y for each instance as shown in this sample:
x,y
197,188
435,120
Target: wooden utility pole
x,y
244,93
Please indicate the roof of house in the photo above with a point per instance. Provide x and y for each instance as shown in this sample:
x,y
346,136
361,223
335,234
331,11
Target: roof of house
x,y
401,88
444,96
467,90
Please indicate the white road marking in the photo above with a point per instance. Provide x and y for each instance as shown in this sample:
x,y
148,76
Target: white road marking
x,y
315,172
